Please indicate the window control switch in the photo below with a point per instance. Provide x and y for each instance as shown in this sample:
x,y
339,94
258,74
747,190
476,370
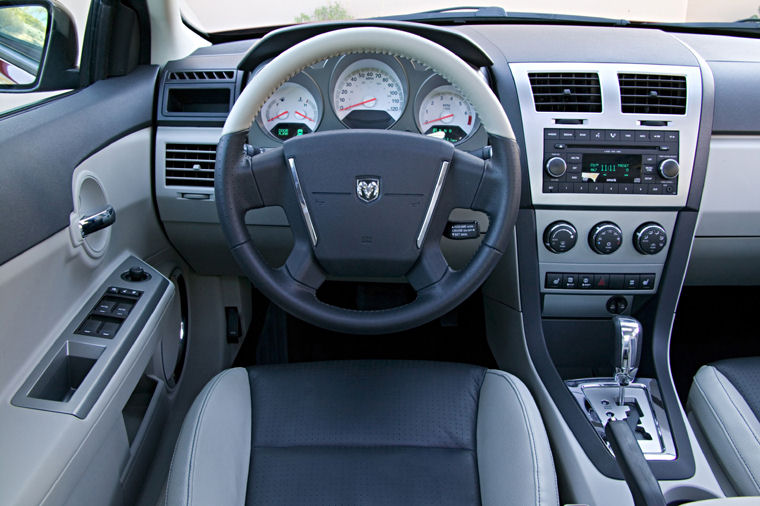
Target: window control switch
x,y
89,327
109,329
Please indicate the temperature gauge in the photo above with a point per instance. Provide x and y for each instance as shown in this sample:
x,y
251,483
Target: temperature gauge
x,y
445,112
291,111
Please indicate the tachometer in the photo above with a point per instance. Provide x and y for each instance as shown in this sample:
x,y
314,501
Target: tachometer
x,y
444,110
291,111
368,94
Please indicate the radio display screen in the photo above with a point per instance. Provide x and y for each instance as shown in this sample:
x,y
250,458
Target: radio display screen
x,y
601,168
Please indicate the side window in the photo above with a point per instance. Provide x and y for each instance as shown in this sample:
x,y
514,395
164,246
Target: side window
x,y
40,43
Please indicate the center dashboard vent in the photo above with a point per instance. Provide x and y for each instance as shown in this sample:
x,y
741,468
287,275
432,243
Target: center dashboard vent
x,y
190,164
566,91
652,93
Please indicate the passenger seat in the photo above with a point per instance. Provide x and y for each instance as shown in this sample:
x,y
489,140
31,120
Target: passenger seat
x,y
724,401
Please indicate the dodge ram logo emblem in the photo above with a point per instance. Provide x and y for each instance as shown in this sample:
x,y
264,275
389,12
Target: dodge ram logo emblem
x,y
368,188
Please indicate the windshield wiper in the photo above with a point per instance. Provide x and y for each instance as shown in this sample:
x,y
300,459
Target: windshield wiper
x,y
466,14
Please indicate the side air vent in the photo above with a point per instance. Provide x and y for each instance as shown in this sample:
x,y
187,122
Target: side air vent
x,y
203,75
652,94
566,91
190,164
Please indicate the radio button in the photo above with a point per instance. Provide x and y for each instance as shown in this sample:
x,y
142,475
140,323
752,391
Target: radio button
x,y
627,135
574,158
655,189
550,187
551,134
650,159
597,135
595,188
560,146
671,136
656,136
574,169
581,188
640,189
664,148
575,177
648,169
642,136
669,168
581,135
648,178
565,188
556,166
626,188
610,188
567,135
612,135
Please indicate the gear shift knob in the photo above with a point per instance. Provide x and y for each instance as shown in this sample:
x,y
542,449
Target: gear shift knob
x,y
628,336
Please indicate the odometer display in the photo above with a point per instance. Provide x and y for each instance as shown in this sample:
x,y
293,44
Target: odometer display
x,y
368,94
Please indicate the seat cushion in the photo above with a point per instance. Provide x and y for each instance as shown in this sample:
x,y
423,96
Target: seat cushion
x,y
725,402
372,432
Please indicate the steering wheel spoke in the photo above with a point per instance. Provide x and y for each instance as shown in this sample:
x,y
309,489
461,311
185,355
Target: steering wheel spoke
x,y
303,267
430,268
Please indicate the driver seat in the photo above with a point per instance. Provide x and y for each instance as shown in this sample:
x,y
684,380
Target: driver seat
x,y
363,432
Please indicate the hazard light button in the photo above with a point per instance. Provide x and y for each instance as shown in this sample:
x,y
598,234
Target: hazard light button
x,y
601,281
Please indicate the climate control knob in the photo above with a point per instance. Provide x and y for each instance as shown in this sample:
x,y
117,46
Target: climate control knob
x,y
650,238
556,166
560,237
605,238
669,168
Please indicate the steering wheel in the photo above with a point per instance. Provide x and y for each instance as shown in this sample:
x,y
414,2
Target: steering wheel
x,y
367,203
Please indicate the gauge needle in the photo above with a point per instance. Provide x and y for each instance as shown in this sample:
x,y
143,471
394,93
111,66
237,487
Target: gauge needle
x,y
304,116
279,115
439,119
360,103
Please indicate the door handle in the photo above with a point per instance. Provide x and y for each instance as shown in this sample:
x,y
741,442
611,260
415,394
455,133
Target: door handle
x,y
98,221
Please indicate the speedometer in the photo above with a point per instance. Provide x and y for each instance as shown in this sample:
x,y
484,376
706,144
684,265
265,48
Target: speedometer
x,y
368,94
444,111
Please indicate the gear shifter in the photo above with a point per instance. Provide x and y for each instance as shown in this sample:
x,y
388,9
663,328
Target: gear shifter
x,y
628,335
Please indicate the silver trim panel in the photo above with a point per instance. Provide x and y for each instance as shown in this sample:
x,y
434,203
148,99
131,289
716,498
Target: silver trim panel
x,y
302,201
611,117
433,202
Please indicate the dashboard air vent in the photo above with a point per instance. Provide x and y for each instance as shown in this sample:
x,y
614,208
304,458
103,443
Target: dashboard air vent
x,y
652,94
190,164
566,91
203,75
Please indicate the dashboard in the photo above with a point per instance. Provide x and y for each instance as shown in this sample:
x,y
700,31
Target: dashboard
x,y
367,91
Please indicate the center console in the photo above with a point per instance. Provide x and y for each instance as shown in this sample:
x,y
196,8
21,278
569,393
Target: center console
x,y
614,162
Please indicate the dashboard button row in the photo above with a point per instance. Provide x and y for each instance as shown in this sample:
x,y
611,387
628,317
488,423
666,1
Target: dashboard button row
x,y
575,281
572,186
610,136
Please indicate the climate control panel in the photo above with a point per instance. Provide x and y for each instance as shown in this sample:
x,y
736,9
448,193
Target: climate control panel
x,y
605,237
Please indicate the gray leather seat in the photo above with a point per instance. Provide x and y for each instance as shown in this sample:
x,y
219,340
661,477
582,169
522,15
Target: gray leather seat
x,y
725,403
363,432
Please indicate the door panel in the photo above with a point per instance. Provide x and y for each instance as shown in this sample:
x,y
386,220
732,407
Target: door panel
x,y
43,288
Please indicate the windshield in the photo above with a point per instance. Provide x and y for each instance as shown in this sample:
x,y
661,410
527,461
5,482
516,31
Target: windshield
x,y
224,15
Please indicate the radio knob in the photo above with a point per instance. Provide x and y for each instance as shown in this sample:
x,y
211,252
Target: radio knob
x,y
560,237
669,168
650,238
605,238
556,166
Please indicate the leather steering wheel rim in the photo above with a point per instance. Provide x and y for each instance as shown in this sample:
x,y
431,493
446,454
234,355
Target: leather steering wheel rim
x,y
450,180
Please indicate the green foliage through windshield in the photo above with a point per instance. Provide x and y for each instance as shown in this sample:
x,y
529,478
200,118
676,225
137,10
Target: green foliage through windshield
x,y
331,12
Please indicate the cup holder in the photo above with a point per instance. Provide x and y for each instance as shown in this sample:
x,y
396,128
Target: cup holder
x,y
66,371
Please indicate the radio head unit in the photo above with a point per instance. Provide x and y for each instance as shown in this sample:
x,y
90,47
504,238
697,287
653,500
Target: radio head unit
x,y
610,161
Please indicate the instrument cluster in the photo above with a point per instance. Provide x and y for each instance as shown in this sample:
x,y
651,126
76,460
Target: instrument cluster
x,y
371,91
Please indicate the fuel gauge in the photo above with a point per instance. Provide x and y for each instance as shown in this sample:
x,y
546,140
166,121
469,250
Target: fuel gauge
x,y
291,111
445,111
